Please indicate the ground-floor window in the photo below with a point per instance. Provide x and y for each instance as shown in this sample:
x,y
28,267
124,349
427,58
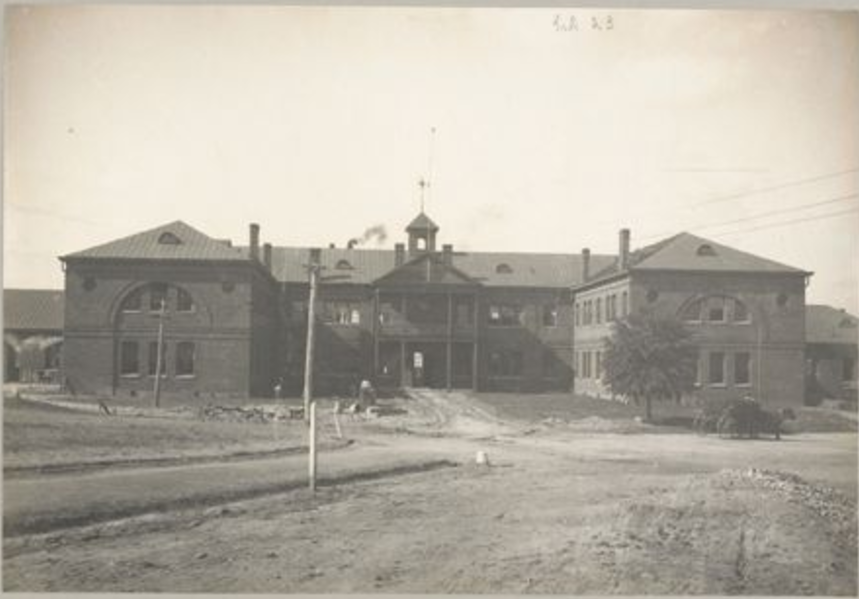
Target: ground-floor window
x,y
717,368
848,370
742,368
129,358
185,358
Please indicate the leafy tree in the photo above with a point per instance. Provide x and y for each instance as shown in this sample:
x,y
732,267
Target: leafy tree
x,y
649,358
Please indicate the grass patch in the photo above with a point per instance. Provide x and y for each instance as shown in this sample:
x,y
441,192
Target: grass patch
x,y
36,434
562,406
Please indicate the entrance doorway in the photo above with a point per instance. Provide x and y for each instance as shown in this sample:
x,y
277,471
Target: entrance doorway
x,y
426,364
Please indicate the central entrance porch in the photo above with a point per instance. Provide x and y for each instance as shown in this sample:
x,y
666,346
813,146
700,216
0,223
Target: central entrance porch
x,y
431,364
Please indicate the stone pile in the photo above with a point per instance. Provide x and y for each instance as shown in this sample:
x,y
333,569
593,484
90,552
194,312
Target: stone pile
x,y
830,504
256,414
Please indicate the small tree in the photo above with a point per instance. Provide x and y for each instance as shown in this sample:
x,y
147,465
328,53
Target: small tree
x,y
649,358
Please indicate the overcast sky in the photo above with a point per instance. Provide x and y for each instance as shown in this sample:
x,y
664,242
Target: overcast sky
x,y
551,133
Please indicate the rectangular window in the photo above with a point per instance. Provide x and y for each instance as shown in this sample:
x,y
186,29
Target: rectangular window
x,y
185,359
697,366
624,304
153,358
598,365
742,368
599,310
505,315
184,303
717,368
341,313
740,312
587,364
129,359
576,314
550,315
848,371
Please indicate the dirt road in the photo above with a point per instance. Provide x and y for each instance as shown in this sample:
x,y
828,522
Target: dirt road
x,y
559,510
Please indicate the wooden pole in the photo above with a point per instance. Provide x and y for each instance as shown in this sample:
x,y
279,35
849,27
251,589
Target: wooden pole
x,y
159,353
312,448
311,320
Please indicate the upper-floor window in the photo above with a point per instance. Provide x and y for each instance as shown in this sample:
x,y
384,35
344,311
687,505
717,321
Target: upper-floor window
x,y
133,302
550,315
342,313
184,301
505,315
624,304
599,310
716,309
157,296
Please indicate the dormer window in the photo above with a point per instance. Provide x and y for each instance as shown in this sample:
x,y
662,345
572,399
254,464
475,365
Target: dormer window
x,y
343,265
169,238
504,269
705,250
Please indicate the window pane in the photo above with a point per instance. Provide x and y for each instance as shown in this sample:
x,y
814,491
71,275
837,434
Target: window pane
x,y
157,294
716,309
717,368
848,373
741,313
129,362
599,310
185,359
133,302
184,303
742,370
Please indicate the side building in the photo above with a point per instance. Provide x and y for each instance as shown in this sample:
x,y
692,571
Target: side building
x,y
216,305
32,335
832,337
746,313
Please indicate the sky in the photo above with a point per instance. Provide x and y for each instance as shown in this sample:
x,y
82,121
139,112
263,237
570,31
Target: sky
x,y
554,128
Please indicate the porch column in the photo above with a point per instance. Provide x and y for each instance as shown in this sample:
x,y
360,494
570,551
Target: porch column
x,y
402,363
475,353
449,339
376,327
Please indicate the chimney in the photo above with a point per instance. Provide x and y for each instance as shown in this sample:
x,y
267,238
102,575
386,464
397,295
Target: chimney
x,y
399,254
623,253
447,254
254,241
266,256
586,264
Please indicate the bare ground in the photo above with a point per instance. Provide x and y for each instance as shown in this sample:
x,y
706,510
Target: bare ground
x,y
562,509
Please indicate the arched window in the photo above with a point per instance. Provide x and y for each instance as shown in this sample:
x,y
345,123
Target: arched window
x,y
133,302
716,308
504,269
343,265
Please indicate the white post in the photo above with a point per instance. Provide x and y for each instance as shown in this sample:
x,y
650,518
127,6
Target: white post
x,y
312,448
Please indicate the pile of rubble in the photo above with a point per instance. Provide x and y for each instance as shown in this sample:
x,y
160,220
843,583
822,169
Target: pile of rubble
x,y
258,414
830,504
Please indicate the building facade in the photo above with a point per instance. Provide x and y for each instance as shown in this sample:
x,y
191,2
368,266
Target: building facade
x,y
746,315
32,335
832,336
234,319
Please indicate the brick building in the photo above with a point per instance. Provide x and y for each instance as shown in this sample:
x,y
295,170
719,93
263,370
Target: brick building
x,y
419,315
32,335
831,336
746,314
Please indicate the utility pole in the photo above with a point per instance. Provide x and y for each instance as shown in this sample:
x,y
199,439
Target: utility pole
x,y
159,353
313,267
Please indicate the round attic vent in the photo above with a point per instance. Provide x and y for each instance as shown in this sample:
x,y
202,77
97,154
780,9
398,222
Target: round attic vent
x,y
705,249
504,269
168,238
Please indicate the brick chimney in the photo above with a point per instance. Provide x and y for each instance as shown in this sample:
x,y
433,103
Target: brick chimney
x,y
399,254
623,250
586,264
254,241
266,256
447,254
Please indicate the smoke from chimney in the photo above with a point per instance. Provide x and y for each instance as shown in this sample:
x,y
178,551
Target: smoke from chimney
x,y
377,232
